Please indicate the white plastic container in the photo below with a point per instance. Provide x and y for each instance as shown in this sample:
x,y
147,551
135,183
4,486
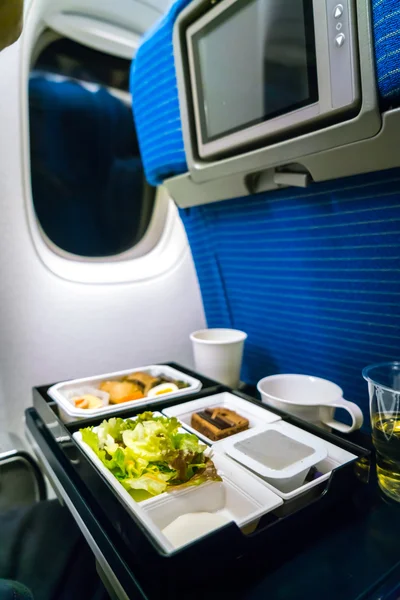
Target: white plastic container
x,y
61,392
240,497
256,415
279,453
336,457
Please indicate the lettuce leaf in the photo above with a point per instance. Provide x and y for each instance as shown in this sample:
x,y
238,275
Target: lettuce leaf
x,y
188,442
205,472
149,455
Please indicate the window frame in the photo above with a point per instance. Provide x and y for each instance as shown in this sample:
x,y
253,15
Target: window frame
x,y
162,247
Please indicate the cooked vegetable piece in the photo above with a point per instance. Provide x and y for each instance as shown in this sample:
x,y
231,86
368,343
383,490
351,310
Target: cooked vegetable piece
x,y
134,396
182,384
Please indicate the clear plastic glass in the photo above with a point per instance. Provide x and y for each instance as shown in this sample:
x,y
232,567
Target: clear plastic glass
x,y
384,394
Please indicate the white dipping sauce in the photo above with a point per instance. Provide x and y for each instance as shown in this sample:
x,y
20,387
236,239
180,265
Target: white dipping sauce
x,y
191,526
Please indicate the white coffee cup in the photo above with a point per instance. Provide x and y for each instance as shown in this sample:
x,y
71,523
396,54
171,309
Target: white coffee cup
x,y
309,398
218,354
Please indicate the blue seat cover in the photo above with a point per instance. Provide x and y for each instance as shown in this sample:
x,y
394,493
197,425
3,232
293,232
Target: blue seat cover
x,y
386,18
85,167
156,103
311,275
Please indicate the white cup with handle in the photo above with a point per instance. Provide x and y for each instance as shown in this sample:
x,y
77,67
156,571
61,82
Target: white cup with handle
x,y
309,398
218,354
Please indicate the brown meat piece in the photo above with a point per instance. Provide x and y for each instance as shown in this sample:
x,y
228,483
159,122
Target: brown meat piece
x,y
144,381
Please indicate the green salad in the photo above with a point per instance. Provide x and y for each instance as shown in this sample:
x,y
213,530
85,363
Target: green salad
x,y
149,455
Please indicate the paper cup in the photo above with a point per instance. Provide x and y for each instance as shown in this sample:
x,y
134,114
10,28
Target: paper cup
x,y
218,354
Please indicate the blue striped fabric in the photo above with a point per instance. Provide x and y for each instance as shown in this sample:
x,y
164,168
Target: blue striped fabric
x,y
386,17
155,101
155,95
311,275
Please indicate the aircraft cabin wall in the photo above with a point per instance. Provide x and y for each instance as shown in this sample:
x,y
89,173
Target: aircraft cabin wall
x,y
61,315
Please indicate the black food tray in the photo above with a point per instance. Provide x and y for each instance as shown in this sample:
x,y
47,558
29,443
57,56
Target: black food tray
x,y
278,532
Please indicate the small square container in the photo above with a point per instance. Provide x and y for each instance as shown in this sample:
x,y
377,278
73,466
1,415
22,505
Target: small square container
x,y
279,453
61,392
239,497
256,415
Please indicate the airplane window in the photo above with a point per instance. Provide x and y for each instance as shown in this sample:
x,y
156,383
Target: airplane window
x,y
89,191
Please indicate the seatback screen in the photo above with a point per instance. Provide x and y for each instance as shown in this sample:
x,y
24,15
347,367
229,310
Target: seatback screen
x,y
253,62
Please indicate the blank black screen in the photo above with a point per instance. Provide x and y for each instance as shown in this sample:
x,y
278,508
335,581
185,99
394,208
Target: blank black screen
x,y
253,62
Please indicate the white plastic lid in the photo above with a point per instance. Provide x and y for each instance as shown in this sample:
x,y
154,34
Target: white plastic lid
x,y
279,451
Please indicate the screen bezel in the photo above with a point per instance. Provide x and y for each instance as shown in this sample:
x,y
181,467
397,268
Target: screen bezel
x,y
283,127
310,47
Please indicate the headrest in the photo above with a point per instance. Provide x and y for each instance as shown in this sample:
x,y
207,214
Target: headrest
x,y
386,19
155,101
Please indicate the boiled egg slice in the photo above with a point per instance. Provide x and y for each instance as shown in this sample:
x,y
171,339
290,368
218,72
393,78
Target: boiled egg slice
x,y
163,388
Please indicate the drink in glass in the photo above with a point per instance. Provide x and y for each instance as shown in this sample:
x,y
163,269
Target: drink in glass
x,y
384,394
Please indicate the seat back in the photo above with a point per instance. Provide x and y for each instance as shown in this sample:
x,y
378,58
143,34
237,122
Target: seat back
x,y
312,275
